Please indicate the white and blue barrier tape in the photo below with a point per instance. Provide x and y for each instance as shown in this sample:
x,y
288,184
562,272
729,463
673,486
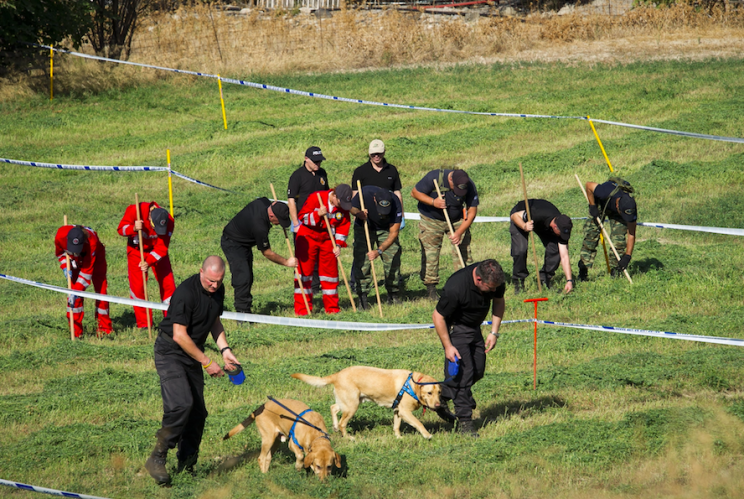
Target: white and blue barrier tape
x,y
44,490
263,86
57,166
696,228
370,326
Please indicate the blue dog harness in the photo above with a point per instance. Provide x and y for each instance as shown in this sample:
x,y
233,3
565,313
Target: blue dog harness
x,y
292,430
407,388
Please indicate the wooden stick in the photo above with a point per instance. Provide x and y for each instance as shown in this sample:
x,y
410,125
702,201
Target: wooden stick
x,y
340,265
599,222
298,276
142,259
532,235
369,247
69,286
449,224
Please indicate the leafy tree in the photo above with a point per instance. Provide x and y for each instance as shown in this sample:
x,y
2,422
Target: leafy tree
x,y
114,23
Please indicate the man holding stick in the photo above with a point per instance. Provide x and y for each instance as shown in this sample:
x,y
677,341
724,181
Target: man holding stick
x,y
383,215
250,228
458,193
554,231
613,200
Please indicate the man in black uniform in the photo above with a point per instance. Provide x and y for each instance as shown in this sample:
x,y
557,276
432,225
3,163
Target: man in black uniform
x,y
194,311
249,228
383,216
466,298
554,231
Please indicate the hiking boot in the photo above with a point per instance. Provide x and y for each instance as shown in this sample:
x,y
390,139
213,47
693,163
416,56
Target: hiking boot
x,y
363,302
431,292
545,283
583,272
518,285
616,272
467,428
155,466
393,299
187,464
444,413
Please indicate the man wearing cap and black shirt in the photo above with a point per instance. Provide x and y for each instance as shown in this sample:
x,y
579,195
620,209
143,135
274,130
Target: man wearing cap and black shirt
x,y
88,261
612,200
193,313
157,230
458,192
377,171
383,214
249,228
554,231
467,297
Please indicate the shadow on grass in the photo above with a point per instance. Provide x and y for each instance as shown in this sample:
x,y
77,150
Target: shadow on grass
x,y
519,407
647,264
231,463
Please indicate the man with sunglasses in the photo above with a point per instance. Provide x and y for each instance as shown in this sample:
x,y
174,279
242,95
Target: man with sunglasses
x,y
378,172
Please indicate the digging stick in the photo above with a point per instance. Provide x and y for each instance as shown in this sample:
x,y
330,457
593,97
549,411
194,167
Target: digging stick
x,y
532,235
340,265
449,224
69,286
144,272
369,247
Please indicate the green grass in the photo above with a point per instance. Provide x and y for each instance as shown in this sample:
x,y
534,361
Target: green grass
x,y
613,415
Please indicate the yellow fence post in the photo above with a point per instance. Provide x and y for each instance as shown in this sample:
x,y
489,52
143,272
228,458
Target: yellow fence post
x,y
222,101
170,183
51,73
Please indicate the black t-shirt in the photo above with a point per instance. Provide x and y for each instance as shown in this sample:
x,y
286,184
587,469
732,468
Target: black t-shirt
x,y
387,178
302,183
463,303
602,194
251,225
543,212
375,220
454,203
191,306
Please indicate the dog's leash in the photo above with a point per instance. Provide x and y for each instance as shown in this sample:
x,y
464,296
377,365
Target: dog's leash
x,y
297,418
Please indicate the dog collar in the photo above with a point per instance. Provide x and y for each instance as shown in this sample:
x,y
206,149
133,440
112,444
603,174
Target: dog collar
x,y
407,388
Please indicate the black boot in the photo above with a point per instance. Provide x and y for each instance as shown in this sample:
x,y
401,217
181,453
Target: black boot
x,y
545,283
155,465
363,302
187,463
467,428
393,299
583,272
431,292
518,285
444,413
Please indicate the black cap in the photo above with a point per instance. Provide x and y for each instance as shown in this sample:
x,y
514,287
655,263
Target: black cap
x,y
460,181
384,201
75,240
627,208
343,193
159,218
564,224
281,212
315,154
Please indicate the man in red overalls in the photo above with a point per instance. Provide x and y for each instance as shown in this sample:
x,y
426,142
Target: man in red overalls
x,y
157,230
88,262
314,245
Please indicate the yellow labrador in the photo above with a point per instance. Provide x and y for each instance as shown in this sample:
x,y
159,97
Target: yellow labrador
x,y
357,384
276,423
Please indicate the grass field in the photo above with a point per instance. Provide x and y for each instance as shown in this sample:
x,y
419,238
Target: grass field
x,y
612,416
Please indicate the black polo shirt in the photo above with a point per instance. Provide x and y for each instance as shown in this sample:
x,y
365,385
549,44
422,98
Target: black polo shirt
x,y
463,303
302,183
602,196
543,212
377,222
454,203
387,178
251,226
191,306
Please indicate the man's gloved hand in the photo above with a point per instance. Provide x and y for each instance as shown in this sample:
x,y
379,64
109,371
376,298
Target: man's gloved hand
x,y
593,211
71,300
623,263
67,273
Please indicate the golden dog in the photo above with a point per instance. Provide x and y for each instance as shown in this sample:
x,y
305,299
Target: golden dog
x,y
357,384
275,423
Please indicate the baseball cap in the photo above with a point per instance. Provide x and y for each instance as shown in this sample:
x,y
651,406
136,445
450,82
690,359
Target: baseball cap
x,y
564,224
343,193
376,146
628,209
75,240
159,218
315,154
460,180
281,211
384,200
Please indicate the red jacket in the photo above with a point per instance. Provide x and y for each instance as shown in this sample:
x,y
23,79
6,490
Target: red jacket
x,y
340,219
86,261
154,246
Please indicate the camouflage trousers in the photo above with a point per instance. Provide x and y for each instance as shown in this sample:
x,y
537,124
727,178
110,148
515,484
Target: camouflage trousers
x,y
618,232
431,233
362,267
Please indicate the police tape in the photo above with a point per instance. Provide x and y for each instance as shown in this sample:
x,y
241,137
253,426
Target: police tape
x,y
57,166
696,228
44,490
291,91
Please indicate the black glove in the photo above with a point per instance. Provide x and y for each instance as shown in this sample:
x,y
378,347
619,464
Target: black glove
x,y
593,211
623,263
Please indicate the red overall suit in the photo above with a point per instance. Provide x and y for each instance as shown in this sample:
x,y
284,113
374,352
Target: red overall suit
x,y
89,266
155,248
314,245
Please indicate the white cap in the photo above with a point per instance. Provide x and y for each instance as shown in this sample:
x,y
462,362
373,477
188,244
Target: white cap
x,y
376,146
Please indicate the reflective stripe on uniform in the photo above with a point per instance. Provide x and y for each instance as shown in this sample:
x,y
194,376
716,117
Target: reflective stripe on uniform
x,y
327,279
155,255
330,291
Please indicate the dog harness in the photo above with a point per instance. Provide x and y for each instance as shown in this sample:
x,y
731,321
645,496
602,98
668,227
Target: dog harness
x,y
292,430
407,388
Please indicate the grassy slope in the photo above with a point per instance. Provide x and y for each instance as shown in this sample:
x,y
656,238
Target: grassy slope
x,y
613,415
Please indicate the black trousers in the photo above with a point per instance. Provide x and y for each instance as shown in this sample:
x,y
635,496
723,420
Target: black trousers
x,y
469,342
519,247
184,412
240,258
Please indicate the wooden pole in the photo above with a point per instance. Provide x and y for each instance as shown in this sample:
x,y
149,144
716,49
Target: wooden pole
x,y
449,224
340,265
607,238
69,286
298,276
532,235
369,247
144,272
